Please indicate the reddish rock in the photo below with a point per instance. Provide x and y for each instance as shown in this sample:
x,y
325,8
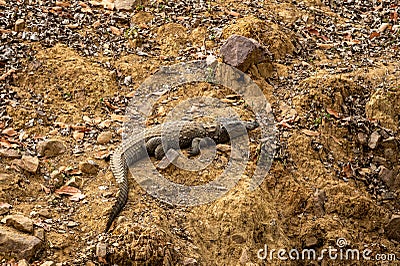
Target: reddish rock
x,y
242,52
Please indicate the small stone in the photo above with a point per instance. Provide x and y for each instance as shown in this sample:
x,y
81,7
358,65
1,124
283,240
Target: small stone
x,y
386,175
90,263
362,138
127,4
115,30
244,257
19,222
77,135
310,241
44,213
189,262
104,137
4,208
392,229
48,263
51,148
18,245
23,263
72,224
90,167
39,233
242,52
128,80
3,3
374,139
238,239
10,153
101,250
19,25
28,163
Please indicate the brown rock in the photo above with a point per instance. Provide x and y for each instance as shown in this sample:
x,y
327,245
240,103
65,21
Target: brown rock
x,y
10,153
39,233
101,250
242,52
104,137
19,25
51,148
89,167
310,241
374,139
3,3
45,213
28,163
129,4
239,239
386,175
14,244
19,222
190,262
392,229
362,138
22,263
48,263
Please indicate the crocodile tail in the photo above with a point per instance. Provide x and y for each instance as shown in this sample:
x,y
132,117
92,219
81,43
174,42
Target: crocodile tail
x,y
119,204
119,169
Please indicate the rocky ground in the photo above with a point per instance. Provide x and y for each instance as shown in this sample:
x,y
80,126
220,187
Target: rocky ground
x,y
70,68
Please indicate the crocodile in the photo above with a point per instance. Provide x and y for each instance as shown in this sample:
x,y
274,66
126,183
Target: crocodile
x,y
150,143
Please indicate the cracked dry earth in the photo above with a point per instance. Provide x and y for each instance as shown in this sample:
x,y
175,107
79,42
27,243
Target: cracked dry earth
x,y
70,68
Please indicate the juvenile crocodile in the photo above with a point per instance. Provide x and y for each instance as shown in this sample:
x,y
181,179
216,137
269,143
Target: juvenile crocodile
x,y
150,142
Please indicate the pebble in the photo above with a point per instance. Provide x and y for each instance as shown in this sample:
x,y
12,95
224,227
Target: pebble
x,y
23,263
190,262
39,233
27,163
89,167
50,148
72,224
44,213
19,25
101,250
19,222
128,80
48,263
104,137
374,139
10,153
